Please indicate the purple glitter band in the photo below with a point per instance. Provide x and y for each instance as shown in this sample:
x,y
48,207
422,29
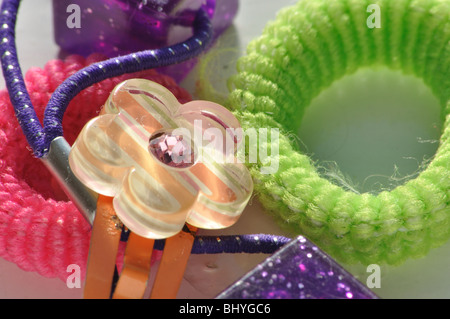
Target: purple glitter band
x,y
249,244
298,271
120,27
38,137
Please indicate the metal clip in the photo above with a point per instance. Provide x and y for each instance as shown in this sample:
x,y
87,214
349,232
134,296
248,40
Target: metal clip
x,y
57,161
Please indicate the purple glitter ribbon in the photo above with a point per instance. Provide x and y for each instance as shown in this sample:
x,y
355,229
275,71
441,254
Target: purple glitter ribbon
x,y
120,27
299,270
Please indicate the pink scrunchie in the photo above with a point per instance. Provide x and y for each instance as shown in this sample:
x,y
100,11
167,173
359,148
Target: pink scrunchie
x,y
40,229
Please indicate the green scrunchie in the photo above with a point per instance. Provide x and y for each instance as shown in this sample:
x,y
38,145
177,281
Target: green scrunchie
x,y
309,46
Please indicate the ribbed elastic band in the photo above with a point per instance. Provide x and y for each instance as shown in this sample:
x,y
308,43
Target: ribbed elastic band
x,y
308,47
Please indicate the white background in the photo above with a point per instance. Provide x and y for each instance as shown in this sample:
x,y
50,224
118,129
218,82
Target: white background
x,y
208,275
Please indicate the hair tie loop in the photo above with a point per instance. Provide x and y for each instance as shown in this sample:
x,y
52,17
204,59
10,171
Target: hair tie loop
x,y
308,46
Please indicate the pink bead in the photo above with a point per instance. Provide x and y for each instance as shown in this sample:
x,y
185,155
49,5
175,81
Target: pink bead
x,y
172,150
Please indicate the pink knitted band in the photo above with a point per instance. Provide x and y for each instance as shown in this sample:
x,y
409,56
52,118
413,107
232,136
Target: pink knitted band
x,y
40,229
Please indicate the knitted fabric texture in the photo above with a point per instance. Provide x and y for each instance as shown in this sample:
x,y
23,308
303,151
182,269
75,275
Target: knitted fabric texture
x,y
309,46
40,229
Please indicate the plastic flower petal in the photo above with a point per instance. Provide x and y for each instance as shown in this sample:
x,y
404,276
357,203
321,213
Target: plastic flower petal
x,y
165,163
